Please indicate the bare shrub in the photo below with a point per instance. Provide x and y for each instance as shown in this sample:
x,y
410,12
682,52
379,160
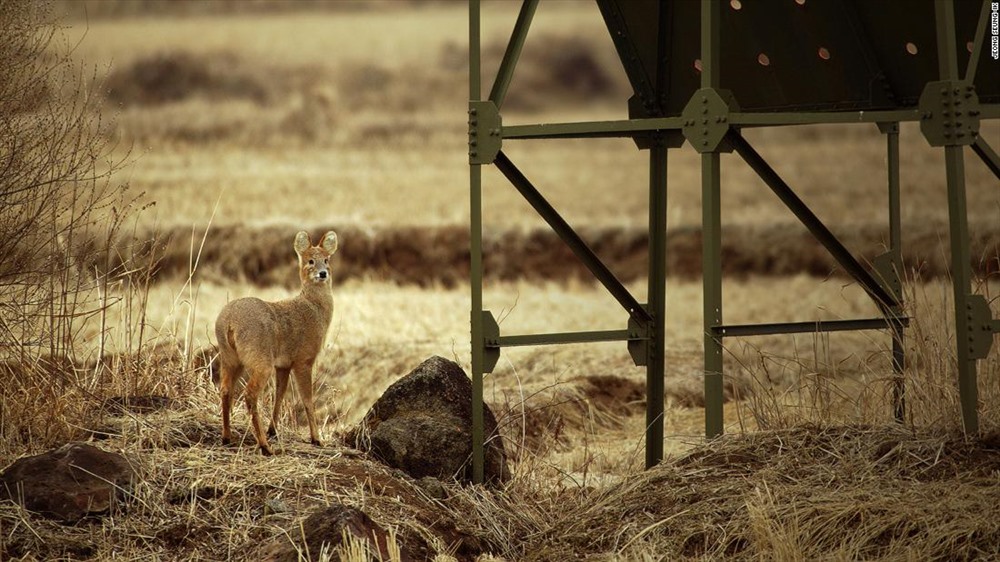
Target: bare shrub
x,y
61,267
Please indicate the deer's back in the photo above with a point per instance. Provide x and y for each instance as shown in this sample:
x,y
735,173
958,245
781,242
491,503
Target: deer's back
x,y
283,332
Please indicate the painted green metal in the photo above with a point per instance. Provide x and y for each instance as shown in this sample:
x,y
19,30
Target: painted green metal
x,y
485,125
958,220
657,283
980,326
987,155
706,118
894,261
711,224
571,238
566,338
593,129
744,330
950,111
819,230
749,119
476,259
746,71
513,52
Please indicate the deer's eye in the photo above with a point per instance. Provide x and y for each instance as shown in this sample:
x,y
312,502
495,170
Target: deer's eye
x,y
326,260
311,262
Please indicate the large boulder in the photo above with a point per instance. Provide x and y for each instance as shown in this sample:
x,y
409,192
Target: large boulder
x,y
68,483
325,530
422,425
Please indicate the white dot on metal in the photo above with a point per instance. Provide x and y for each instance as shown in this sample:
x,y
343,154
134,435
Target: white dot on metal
x,y
763,60
824,53
911,48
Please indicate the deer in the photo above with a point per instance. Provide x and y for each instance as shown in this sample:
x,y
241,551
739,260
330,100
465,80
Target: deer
x,y
259,339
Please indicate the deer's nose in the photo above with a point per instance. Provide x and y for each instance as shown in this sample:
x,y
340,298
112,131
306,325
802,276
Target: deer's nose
x,y
322,274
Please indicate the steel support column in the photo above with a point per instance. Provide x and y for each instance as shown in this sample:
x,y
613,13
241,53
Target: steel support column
x,y
944,11
711,228
656,346
895,249
476,259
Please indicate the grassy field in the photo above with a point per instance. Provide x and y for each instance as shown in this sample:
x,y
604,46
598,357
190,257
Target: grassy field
x,y
240,127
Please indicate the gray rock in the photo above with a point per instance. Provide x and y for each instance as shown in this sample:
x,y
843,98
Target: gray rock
x,y
69,483
422,425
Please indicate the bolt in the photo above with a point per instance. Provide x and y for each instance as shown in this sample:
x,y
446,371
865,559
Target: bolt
x,y
944,91
472,142
958,91
472,111
973,112
704,131
958,114
724,118
473,122
704,121
704,111
946,113
704,99
704,143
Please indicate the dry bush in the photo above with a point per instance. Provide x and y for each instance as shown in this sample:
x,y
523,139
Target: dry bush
x,y
61,219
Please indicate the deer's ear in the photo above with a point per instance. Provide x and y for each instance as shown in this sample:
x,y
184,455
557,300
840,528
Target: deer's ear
x,y
302,242
329,242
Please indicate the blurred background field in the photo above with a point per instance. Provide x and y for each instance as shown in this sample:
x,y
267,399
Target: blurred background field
x,y
240,123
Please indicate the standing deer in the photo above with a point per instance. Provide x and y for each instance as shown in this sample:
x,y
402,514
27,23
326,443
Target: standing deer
x,y
262,339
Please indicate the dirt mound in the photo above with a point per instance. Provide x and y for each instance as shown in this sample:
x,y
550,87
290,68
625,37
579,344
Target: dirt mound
x,y
178,75
439,256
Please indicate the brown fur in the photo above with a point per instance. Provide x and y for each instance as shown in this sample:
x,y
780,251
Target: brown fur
x,y
260,339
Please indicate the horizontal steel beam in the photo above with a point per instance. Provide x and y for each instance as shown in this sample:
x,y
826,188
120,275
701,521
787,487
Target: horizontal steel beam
x,y
564,338
630,127
819,117
741,330
592,129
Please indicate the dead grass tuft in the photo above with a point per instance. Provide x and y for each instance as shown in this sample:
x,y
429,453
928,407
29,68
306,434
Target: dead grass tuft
x,y
807,493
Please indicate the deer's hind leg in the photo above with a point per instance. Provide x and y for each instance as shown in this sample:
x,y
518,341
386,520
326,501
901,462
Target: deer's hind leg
x,y
303,379
280,386
258,372
230,374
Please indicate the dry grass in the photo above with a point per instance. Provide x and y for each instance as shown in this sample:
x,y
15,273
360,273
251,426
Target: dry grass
x,y
364,135
358,124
